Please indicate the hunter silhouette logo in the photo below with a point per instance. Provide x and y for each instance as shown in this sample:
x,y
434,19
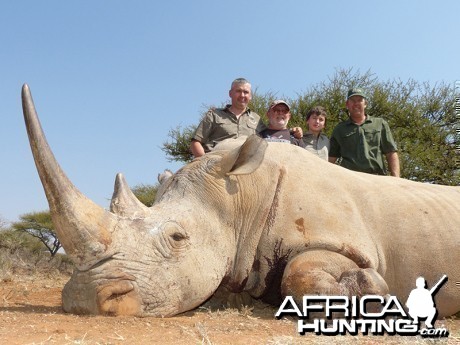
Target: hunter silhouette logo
x,y
421,303
343,315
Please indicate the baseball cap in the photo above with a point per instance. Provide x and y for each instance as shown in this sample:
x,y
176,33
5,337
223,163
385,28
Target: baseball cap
x,y
278,101
356,91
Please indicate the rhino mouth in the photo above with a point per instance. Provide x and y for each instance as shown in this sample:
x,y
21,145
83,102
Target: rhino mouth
x,y
92,292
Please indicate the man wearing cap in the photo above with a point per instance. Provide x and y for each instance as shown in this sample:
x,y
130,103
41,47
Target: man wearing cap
x,y
233,121
278,115
363,140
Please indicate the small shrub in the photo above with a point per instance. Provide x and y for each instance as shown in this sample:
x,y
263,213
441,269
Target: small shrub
x,y
23,254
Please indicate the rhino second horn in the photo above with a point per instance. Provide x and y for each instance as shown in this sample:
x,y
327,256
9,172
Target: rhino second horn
x,y
124,202
83,228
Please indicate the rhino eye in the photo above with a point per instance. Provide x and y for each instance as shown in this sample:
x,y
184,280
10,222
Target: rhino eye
x,y
177,236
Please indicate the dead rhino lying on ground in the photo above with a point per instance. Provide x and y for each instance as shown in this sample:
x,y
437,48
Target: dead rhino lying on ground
x,y
267,219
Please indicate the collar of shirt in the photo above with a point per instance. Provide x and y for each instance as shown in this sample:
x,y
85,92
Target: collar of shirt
x,y
367,120
227,109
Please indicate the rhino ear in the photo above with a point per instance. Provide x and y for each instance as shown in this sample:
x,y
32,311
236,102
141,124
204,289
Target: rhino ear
x,y
164,176
246,158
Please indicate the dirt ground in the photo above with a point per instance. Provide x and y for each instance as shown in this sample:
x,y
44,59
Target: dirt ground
x,y
30,313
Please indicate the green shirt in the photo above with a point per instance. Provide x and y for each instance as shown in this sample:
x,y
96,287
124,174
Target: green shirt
x,y
362,146
220,124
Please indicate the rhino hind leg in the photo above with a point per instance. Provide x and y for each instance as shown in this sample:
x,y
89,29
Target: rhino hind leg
x,y
326,273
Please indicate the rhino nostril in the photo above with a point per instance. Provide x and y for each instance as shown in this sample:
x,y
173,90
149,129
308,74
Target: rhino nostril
x,y
118,298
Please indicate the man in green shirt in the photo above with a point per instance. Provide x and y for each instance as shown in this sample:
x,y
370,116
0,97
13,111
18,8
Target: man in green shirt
x,y
363,140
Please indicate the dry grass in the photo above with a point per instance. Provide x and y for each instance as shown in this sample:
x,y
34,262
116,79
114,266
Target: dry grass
x,y
30,313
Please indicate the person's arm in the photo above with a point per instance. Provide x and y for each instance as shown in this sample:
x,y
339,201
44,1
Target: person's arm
x,y
334,148
297,132
388,146
202,133
393,163
260,126
196,148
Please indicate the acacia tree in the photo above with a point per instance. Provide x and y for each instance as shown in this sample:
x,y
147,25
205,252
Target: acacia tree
x,y
40,226
421,116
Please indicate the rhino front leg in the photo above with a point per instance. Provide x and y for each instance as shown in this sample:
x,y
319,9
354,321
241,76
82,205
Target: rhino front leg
x,y
321,272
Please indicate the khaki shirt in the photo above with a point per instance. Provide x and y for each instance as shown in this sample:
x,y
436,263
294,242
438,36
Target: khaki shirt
x,y
317,145
220,124
362,146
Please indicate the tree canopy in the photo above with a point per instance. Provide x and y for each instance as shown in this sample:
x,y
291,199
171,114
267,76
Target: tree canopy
x,y
145,193
421,117
40,226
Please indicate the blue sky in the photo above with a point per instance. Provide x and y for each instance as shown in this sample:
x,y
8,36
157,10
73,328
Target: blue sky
x,y
111,78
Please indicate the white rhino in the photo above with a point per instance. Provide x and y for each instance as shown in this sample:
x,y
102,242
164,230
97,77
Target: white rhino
x,y
269,220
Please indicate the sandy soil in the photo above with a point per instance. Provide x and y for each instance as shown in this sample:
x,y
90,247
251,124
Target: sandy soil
x,y
30,313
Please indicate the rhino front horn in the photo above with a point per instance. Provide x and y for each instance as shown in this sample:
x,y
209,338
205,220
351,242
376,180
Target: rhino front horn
x,y
83,228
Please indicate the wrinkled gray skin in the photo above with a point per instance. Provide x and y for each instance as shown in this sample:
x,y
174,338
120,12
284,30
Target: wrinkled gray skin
x,y
268,220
